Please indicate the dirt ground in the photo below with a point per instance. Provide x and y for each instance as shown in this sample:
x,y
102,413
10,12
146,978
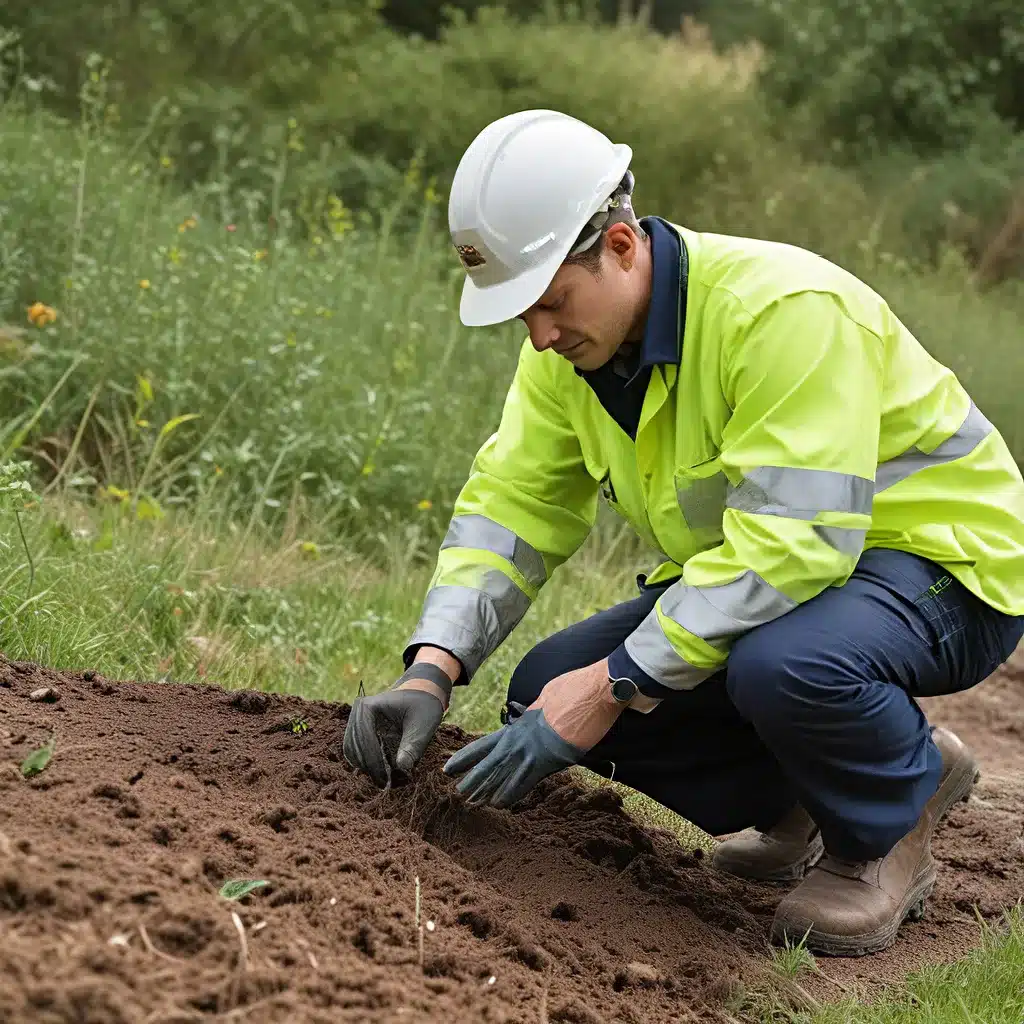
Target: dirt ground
x,y
563,911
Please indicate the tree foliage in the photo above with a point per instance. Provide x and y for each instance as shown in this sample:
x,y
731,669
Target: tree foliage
x,y
874,72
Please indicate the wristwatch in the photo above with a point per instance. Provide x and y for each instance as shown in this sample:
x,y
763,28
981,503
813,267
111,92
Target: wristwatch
x,y
623,690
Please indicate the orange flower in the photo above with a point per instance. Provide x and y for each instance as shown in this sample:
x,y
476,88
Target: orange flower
x,y
40,314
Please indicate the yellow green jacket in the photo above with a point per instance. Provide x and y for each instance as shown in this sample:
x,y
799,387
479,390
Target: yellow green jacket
x,y
803,424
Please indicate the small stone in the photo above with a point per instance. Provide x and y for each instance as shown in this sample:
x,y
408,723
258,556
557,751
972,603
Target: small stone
x,y
637,975
45,695
89,676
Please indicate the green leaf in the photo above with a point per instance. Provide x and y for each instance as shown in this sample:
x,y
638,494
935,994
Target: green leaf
x,y
146,389
236,888
38,759
176,422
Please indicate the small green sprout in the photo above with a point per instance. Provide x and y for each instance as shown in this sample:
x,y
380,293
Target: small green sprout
x,y
299,726
38,759
236,888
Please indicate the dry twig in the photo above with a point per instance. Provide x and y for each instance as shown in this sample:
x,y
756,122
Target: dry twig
x,y
240,928
152,949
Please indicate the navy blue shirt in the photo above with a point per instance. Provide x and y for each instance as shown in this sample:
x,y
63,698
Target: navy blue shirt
x,y
621,383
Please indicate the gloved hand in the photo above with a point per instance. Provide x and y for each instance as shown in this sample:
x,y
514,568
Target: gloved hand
x,y
506,764
389,731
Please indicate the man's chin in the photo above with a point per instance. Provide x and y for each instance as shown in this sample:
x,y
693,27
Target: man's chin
x,y
590,358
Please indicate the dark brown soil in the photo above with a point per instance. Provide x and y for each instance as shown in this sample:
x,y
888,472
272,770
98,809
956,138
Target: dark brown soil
x,y
564,911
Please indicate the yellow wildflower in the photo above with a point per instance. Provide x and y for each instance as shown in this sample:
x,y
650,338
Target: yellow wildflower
x,y
259,255
144,283
188,222
425,505
40,314
166,161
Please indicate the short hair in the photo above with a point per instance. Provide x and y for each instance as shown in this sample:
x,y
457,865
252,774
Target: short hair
x,y
588,248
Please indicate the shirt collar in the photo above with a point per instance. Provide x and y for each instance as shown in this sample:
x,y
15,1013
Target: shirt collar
x,y
662,334
661,344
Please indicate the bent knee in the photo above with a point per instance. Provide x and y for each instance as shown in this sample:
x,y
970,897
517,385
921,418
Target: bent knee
x,y
770,683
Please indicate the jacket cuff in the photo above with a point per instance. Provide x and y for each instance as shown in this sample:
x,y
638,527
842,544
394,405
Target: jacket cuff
x,y
622,666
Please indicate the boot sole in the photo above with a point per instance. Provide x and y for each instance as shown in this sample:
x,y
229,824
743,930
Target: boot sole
x,y
955,788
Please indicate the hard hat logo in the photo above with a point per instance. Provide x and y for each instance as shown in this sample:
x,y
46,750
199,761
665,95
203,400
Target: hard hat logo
x,y
470,256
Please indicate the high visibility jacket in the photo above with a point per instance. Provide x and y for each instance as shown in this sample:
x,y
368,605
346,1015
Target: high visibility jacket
x,y
803,424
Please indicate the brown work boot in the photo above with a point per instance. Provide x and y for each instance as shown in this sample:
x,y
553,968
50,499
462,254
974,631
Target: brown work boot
x,y
849,909
786,852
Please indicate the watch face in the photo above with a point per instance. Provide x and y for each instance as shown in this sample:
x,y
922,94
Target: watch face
x,y
624,690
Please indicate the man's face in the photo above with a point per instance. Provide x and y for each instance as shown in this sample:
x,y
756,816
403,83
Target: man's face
x,y
586,317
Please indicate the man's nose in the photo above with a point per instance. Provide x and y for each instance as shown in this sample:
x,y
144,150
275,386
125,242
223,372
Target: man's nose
x,y
543,333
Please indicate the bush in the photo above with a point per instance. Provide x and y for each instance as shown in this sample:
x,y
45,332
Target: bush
x,y
705,152
319,365
870,73
270,49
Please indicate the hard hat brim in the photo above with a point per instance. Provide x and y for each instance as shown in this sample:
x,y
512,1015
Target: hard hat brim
x,y
496,303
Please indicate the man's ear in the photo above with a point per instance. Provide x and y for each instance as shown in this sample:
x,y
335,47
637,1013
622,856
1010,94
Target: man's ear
x,y
622,240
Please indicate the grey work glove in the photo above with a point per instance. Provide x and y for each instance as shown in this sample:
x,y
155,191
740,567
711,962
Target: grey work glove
x,y
506,764
388,732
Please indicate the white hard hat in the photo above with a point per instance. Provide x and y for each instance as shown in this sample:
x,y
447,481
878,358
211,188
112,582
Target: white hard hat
x,y
524,190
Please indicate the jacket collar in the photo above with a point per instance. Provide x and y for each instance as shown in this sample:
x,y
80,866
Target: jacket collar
x,y
666,315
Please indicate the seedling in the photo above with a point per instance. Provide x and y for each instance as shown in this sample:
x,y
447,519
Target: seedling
x,y
38,759
236,888
299,726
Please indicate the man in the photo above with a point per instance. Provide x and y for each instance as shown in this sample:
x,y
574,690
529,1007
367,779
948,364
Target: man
x,y
843,533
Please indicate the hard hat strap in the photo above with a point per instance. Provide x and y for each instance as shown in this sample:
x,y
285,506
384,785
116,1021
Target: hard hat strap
x,y
594,228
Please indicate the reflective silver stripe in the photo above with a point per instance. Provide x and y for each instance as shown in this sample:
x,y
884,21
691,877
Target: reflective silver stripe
x,y
649,648
487,535
844,540
718,615
974,429
801,493
471,622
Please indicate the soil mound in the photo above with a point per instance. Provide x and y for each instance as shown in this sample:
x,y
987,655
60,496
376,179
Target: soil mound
x,y
563,911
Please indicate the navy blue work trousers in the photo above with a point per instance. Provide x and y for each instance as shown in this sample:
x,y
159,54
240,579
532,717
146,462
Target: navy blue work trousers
x,y
817,707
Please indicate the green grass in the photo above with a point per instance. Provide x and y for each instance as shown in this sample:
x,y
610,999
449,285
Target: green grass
x,y
986,987
197,598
